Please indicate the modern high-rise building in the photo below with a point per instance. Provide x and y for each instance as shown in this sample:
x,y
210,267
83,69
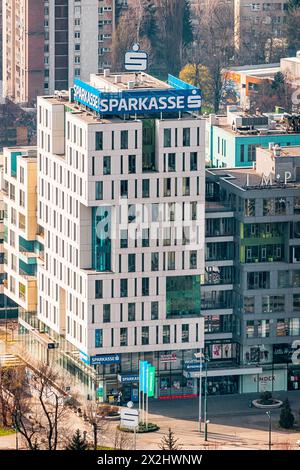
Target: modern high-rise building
x,y
114,259
48,44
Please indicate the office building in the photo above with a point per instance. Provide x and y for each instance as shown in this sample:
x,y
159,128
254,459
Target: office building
x,y
113,261
266,284
231,140
48,44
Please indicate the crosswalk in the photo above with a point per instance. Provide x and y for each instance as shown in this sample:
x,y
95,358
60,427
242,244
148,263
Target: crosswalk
x,y
9,360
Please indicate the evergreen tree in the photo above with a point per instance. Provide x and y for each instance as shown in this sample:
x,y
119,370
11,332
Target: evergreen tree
x,y
77,442
287,419
187,32
293,4
169,441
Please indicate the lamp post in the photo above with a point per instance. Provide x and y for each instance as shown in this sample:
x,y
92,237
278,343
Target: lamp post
x,y
268,413
199,356
205,401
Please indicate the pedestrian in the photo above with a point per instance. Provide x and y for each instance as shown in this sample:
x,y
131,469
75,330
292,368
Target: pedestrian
x,y
119,398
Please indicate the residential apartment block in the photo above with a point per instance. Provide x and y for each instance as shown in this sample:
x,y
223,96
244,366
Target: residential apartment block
x,y
255,22
48,44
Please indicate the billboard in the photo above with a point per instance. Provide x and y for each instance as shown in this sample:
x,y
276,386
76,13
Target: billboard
x,y
182,97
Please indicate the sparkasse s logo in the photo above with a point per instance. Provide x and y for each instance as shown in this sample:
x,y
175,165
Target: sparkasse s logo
x,y
136,60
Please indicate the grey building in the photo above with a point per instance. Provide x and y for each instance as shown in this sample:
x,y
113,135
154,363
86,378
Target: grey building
x,y
255,262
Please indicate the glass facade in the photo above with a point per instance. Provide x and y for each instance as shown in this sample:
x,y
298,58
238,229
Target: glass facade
x,y
183,296
101,238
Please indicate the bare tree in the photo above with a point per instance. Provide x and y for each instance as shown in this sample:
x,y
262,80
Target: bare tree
x,y
96,417
123,440
37,406
213,42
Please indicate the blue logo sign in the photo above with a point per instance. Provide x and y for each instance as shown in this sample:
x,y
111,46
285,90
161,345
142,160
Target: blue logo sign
x,y
105,359
182,97
136,60
128,378
84,357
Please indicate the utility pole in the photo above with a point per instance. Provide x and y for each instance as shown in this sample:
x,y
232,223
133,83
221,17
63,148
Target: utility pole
x,y
205,401
269,414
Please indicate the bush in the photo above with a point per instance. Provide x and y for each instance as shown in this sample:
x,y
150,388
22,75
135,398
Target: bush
x,y
266,398
287,419
142,428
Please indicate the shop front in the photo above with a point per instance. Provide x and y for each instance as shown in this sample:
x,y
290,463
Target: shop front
x,y
272,379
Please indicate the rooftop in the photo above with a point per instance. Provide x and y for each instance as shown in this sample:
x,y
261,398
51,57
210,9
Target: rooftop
x,y
116,82
248,178
259,71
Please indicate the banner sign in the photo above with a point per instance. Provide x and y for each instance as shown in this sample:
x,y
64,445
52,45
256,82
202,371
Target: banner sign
x,y
105,359
151,381
181,97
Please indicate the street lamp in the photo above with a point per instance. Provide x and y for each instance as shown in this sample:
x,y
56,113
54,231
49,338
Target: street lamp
x,y
205,400
269,414
199,356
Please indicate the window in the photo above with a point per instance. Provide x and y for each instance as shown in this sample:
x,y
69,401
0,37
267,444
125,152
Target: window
x,y
154,310
185,333
166,334
106,313
131,312
282,327
131,164
124,238
167,137
123,337
98,338
186,189
99,141
194,161
193,260
145,334
106,165
145,286
242,153
167,187
154,261
186,140
296,302
99,190
145,188
124,188
171,162
124,140
123,288
249,304
249,207
98,289
145,238
258,280
273,303
171,260
250,329
131,263
252,153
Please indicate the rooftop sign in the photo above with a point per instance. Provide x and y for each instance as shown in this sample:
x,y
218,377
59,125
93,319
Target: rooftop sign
x,y
136,60
181,97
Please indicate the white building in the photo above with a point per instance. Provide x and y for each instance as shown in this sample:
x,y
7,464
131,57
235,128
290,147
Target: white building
x,y
120,200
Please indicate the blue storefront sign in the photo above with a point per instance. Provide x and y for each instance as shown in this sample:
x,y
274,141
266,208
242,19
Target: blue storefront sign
x,y
192,365
181,97
105,359
128,378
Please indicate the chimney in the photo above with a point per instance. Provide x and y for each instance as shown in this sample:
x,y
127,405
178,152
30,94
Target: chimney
x,y
106,73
